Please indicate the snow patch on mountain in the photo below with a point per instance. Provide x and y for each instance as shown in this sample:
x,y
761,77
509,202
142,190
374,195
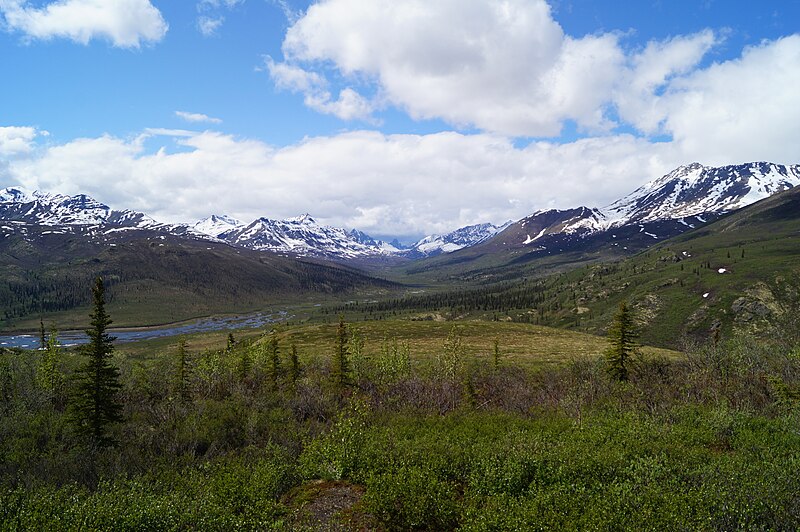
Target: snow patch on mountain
x,y
217,224
303,235
458,239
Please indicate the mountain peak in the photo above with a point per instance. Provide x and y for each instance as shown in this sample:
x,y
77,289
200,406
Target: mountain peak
x,y
15,194
304,219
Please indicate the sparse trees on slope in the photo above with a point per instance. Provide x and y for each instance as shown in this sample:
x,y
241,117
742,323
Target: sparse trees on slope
x,y
95,404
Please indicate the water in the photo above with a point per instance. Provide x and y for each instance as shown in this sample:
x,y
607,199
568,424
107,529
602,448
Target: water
x,y
72,338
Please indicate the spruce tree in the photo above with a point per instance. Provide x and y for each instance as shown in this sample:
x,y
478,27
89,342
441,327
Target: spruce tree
x,y
341,360
622,344
294,364
182,380
274,360
48,374
95,404
42,337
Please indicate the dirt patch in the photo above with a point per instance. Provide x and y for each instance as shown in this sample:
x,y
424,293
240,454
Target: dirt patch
x,y
328,506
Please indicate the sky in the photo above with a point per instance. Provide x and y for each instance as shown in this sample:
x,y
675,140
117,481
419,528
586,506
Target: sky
x,y
400,118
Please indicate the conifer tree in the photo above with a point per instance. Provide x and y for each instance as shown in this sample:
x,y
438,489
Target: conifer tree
x,y
273,359
48,373
42,338
341,360
95,405
294,361
182,380
622,345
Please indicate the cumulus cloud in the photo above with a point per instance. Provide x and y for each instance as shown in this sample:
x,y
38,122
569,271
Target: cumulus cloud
x,y
210,18
405,185
349,105
508,68
746,108
125,23
504,67
197,117
17,140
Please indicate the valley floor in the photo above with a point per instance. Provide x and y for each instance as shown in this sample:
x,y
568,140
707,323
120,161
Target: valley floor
x,y
432,428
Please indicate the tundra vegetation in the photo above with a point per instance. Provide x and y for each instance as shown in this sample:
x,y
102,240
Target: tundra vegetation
x,y
408,425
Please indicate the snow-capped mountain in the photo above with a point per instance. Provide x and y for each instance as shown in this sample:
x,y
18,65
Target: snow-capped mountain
x,y
20,205
303,235
687,196
217,224
696,190
665,207
455,240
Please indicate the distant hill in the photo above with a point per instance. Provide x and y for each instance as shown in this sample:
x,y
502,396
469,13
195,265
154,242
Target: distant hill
x,y
152,276
740,272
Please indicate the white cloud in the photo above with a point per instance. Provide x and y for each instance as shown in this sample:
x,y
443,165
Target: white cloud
x,y
211,19
208,26
349,105
747,108
653,70
17,140
504,67
197,117
508,68
126,23
384,184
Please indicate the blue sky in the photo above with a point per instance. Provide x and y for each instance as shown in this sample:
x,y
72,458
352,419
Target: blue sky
x,y
399,118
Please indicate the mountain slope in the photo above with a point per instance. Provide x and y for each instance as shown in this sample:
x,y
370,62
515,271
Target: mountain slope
x,y
153,277
741,272
467,236
556,240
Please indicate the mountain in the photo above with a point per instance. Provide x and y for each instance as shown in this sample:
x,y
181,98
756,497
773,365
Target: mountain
x,y
738,273
302,236
216,224
460,238
53,246
553,240
689,195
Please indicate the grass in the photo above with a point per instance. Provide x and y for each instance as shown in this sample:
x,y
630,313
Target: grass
x,y
525,345
547,441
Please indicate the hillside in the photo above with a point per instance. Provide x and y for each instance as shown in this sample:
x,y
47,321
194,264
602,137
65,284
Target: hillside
x,y
738,272
557,240
154,277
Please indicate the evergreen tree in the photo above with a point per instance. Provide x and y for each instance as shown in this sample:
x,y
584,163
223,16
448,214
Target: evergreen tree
x,y
622,345
341,360
95,405
273,359
182,380
48,373
42,338
294,369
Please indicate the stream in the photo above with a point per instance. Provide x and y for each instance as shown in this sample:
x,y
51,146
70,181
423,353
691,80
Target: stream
x,y
72,338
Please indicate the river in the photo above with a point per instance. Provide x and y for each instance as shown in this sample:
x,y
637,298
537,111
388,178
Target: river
x,y
72,338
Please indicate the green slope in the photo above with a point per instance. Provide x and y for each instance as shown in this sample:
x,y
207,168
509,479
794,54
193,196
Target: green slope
x,y
675,287
154,279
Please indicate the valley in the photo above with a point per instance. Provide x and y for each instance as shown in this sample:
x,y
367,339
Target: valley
x,y
466,389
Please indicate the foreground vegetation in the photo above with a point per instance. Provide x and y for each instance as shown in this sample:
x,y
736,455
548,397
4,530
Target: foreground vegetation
x,y
251,436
